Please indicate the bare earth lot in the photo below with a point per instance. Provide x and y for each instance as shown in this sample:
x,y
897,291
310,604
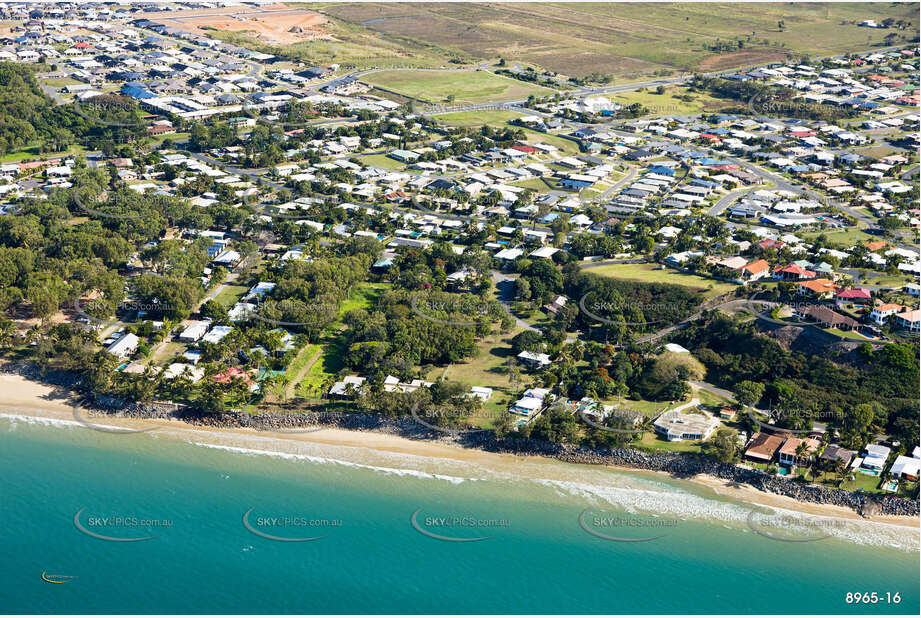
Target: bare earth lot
x,y
275,24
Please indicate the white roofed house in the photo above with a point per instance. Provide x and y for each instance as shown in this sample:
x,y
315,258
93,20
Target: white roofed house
x,y
346,388
125,346
194,331
875,458
906,467
533,360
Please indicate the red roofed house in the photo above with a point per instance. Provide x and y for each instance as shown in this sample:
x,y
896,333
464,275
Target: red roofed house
x,y
817,288
527,149
235,373
771,242
787,453
754,270
853,295
793,273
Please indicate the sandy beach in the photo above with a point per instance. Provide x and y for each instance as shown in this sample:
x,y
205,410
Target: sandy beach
x,y
23,397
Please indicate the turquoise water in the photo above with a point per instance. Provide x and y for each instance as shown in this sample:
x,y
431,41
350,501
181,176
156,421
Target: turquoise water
x,y
538,558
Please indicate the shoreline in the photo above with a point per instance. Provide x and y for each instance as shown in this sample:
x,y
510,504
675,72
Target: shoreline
x,y
22,397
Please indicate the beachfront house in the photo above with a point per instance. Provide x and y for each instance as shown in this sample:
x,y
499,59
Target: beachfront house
x,y
875,458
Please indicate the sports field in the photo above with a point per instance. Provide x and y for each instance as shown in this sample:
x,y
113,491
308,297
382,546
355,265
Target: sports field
x,y
455,87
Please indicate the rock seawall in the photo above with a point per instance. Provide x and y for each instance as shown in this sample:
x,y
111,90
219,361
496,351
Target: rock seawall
x,y
678,465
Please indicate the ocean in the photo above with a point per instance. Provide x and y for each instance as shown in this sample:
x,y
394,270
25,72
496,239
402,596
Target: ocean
x,y
258,526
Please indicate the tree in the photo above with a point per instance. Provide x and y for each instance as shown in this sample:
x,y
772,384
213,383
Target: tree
x,y
724,446
748,393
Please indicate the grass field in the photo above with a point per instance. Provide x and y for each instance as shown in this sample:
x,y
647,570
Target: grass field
x,y
464,86
651,273
668,103
231,294
31,151
494,118
842,238
625,39
382,160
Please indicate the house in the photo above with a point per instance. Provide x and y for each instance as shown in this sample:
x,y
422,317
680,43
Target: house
x,y
763,446
555,305
483,393
232,374
834,453
906,467
851,295
875,458
527,406
347,387
788,456
793,272
217,333
754,271
676,426
880,314
125,346
534,361
827,318
195,330
817,288
909,320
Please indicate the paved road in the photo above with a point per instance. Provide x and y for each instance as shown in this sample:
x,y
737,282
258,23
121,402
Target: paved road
x,y
631,174
506,288
727,200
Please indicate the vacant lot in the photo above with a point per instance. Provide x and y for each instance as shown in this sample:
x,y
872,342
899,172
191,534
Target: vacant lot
x,y
464,86
627,38
670,102
495,118
652,273
274,24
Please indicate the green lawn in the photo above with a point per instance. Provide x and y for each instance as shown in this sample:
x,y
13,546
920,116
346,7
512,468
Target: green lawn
x,y
566,146
231,294
58,82
466,86
841,238
363,296
669,103
31,151
382,160
651,441
653,273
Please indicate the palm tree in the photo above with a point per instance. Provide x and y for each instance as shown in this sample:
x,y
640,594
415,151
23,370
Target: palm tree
x,y
802,451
